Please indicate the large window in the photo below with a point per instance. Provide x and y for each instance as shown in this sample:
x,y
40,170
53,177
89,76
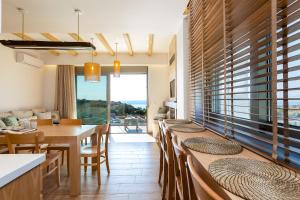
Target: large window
x,y
238,87
91,100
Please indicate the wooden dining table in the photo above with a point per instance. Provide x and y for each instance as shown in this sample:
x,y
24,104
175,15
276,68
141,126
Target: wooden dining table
x,y
205,159
71,135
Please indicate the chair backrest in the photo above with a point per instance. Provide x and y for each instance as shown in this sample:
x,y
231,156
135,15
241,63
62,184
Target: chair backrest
x,y
70,122
44,122
180,169
161,136
204,185
27,138
103,130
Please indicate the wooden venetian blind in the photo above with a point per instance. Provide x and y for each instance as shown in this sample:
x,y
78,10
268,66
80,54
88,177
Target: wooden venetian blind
x,y
196,68
245,72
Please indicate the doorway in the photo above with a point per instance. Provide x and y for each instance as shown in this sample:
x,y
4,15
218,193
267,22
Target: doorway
x,y
128,103
122,101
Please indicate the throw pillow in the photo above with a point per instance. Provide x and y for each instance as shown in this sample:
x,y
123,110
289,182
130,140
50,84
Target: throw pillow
x,y
44,115
20,114
38,110
2,125
163,110
10,121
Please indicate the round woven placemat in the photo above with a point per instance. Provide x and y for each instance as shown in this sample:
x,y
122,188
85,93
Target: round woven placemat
x,y
212,146
188,128
253,179
177,121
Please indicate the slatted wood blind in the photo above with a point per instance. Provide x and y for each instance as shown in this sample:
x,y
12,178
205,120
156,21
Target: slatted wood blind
x,y
245,73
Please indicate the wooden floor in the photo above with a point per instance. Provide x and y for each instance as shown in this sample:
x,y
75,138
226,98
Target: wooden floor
x,y
134,172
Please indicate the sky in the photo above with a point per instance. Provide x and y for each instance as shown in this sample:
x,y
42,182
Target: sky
x,y
125,88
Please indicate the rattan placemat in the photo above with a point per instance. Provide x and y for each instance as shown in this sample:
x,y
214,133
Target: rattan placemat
x,y
188,128
177,121
212,146
253,179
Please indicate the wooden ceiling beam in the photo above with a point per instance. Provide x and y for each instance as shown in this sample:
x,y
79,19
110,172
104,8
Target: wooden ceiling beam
x,y
27,37
76,37
104,42
150,44
128,43
51,37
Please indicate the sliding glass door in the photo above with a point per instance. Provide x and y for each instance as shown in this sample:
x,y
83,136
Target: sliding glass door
x,y
128,103
92,106
121,101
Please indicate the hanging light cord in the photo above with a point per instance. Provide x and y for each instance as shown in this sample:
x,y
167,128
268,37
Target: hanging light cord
x,y
77,11
21,10
92,39
116,51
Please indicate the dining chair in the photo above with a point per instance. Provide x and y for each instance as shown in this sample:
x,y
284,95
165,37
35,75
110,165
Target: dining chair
x,y
202,183
97,153
168,167
50,165
181,180
73,122
44,122
161,152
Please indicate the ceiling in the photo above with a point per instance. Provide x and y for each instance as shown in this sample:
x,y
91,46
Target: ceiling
x,y
112,18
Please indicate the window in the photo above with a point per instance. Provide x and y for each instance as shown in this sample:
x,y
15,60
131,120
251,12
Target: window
x,y
233,77
91,100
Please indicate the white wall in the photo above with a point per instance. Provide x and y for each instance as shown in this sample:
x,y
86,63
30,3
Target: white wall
x,y
158,91
182,69
49,86
21,85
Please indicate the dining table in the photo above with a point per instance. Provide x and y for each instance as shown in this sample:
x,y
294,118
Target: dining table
x,y
71,135
206,159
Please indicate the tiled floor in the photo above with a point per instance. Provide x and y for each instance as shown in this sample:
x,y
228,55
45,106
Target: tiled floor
x,y
134,172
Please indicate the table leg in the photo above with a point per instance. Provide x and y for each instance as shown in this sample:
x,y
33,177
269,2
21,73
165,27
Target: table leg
x,y
94,143
75,183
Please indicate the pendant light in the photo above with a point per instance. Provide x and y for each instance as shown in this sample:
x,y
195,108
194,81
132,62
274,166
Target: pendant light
x,y
92,71
117,66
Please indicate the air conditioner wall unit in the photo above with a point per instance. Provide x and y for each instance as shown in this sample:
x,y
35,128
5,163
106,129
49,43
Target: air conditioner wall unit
x,y
29,60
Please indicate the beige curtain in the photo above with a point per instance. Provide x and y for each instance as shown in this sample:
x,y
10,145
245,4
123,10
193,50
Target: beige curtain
x,y
65,101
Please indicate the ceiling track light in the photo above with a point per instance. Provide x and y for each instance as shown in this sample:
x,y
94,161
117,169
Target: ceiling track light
x,y
46,45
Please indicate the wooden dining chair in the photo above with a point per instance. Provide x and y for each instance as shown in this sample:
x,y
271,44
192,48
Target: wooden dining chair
x,y
161,152
202,183
44,122
51,164
98,153
182,191
168,166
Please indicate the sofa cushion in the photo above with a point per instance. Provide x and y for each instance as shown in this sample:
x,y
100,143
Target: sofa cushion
x,y
2,124
10,121
23,122
44,115
5,114
38,110
20,114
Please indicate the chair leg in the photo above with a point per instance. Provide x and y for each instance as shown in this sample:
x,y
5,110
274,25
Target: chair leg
x,y
165,181
57,163
85,164
107,162
98,172
171,184
160,166
68,161
62,157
